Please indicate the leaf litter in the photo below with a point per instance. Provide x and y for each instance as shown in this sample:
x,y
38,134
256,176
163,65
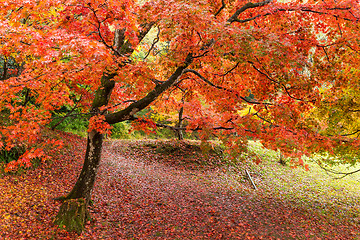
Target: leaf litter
x,y
144,194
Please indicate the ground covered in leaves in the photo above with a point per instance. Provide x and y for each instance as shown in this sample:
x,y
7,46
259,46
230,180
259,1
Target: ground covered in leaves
x,y
163,190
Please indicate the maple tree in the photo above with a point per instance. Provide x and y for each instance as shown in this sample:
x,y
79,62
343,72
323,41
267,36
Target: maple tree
x,y
249,69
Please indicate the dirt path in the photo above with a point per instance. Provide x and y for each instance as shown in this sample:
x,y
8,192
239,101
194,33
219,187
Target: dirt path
x,y
138,199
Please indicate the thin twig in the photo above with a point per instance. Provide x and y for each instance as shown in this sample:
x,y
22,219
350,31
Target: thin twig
x,y
68,114
221,8
279,83
344,174
155,41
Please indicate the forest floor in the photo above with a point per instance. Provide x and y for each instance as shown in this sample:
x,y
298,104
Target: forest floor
x,y
153,189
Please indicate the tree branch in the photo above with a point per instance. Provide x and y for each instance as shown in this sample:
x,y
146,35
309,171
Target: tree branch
x,y
222,88
250,19
230,70
221,8
344,174
135,107
234,17
174,128
349,134
120,47
68,114
155,41
279,83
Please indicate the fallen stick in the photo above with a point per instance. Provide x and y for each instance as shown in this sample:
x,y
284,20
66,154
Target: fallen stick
x,y
251,179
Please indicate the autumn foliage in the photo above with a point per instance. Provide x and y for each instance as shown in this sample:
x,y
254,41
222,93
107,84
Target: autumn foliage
x,y
290,56
267,70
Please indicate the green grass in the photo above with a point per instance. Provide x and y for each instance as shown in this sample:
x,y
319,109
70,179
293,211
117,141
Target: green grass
x,y
75,125
316,189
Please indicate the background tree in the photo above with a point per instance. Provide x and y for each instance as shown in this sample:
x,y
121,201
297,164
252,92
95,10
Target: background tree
x,y
274,57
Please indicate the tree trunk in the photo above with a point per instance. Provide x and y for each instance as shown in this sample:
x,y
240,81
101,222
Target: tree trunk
x,y
85,182
74,210
179,132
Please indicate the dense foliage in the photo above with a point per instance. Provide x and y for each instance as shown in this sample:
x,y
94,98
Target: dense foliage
x,y
284,72
290,57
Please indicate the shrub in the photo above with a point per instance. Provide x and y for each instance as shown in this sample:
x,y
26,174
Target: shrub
x,y
13,154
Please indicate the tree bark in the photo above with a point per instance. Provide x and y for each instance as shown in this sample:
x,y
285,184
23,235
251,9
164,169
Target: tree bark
x,y
72,215
74,210
86,180
179,131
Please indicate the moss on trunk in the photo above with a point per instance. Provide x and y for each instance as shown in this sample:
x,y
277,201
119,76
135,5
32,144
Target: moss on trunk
x,y
72,215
